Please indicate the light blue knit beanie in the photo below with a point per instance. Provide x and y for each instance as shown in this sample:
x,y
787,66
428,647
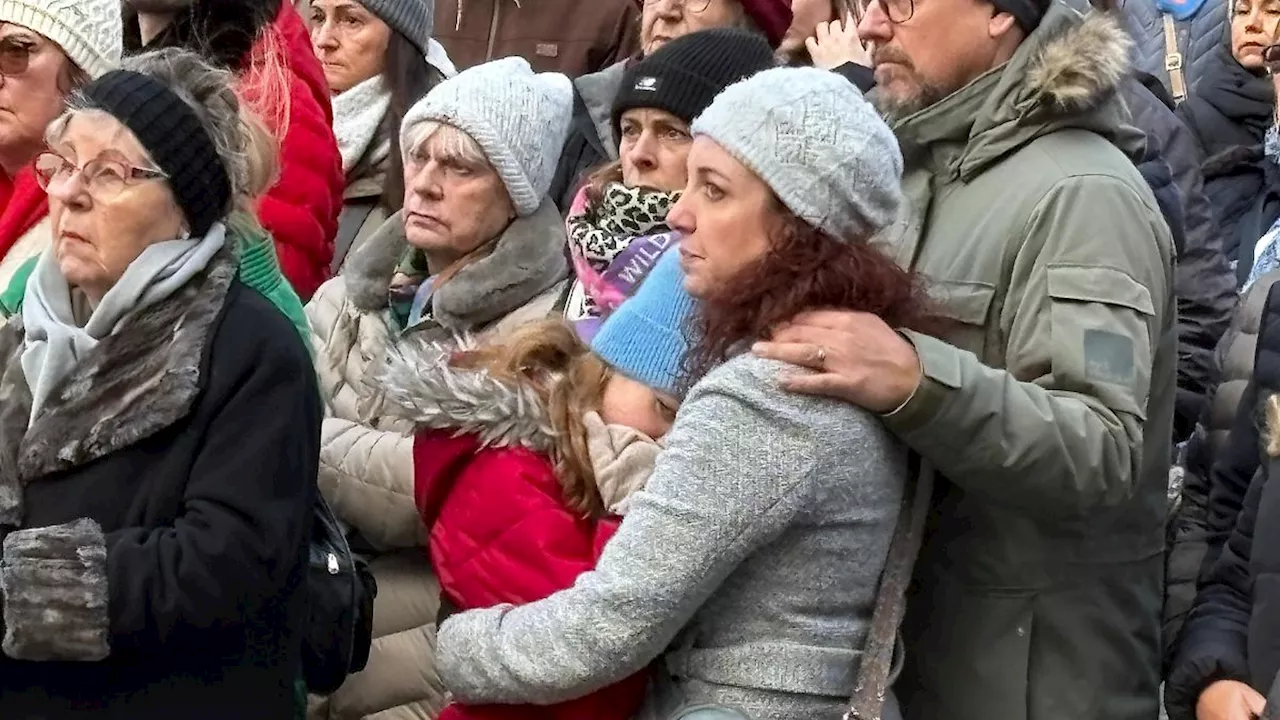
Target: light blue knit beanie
x,y
817,143
644,338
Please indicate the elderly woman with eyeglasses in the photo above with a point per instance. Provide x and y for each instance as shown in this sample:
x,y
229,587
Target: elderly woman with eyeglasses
x,y
47,49
159,423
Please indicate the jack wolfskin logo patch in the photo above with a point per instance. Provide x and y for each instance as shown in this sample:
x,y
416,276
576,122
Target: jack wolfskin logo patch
x,y
1108,357
648,84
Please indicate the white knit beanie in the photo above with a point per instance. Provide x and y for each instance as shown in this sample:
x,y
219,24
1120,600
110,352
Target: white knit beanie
x,y
817,143
90,32
518,118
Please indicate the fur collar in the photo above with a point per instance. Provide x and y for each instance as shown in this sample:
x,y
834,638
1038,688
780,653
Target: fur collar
x,y
222,30
417,384
1080,64
137,382
528,259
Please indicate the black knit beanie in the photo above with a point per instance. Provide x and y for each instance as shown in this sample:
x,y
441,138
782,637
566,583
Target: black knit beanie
x,y
172,134
686,74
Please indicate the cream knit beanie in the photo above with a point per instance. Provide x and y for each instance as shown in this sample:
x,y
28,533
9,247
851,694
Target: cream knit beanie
x,y
90,32
520,120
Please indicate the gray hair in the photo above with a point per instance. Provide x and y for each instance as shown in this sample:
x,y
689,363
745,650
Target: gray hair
x,y
246,149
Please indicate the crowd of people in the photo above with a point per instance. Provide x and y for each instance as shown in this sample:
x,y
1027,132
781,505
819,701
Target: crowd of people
x,y
639,359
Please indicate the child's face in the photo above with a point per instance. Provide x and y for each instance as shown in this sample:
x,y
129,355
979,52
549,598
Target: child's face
x,y
634,405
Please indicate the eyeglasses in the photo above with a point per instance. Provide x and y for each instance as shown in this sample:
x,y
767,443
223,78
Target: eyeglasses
x,y
898,11
690,6
103,179
15,56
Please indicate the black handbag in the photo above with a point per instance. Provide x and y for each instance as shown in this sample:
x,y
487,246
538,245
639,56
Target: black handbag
x,y
341,590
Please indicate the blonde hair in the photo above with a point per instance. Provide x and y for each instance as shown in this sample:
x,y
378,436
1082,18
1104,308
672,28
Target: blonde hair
x,y
446,142
570,380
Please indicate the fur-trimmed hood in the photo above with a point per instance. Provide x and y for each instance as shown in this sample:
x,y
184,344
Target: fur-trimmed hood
x,y
417,383
527,260
1067,74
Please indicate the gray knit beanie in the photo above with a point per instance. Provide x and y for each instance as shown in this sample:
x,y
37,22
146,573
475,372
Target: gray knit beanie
x,y
518,118
90,32
811,137
414,19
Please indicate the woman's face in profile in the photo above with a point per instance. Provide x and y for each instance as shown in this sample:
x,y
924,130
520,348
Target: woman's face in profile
x,y
107,200
726,215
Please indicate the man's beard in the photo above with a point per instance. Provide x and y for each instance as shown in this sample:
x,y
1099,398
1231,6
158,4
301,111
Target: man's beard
x,y
159,6
923,94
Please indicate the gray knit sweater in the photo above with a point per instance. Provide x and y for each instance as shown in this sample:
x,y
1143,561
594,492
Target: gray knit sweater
x,y
749,565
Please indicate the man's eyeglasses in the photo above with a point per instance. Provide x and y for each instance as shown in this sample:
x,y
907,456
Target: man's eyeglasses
x,y
15,56
103,179
690,6
898,11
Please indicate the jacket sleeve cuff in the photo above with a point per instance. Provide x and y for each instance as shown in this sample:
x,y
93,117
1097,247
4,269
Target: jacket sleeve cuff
x,y
940,375
55,593
862,77
1197,670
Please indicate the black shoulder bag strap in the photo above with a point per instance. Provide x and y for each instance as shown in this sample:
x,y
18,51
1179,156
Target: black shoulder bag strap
x,y
891,599
350,221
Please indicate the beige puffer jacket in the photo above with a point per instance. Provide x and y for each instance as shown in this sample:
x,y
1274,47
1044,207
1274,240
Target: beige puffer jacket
x,y
366,466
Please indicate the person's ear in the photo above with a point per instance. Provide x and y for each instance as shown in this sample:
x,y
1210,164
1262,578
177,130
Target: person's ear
x,y
1000,24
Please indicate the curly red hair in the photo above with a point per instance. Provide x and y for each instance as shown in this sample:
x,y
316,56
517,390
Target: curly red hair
x,y
805,269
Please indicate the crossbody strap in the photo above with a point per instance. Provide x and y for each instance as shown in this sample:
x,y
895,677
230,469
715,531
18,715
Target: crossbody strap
x,y
1173,59
877,664
350,220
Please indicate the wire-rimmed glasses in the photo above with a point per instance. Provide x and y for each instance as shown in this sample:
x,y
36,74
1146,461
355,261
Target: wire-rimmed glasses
x,y
103,178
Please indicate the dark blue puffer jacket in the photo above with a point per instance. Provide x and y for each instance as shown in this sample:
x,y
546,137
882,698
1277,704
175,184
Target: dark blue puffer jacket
x,y
1198,36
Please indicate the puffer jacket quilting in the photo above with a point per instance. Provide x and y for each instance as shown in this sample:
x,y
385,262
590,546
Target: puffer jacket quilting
x,y
1197,36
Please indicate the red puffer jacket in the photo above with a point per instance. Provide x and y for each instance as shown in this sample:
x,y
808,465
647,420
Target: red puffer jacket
x,y
501,533
500,530
301,210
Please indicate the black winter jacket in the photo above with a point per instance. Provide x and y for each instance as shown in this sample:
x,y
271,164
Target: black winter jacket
x,y
1204,284
1189,534
157,512
1233,631
1248,185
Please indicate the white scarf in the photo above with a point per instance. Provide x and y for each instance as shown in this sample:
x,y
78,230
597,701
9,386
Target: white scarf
x,y
55,343
357,117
